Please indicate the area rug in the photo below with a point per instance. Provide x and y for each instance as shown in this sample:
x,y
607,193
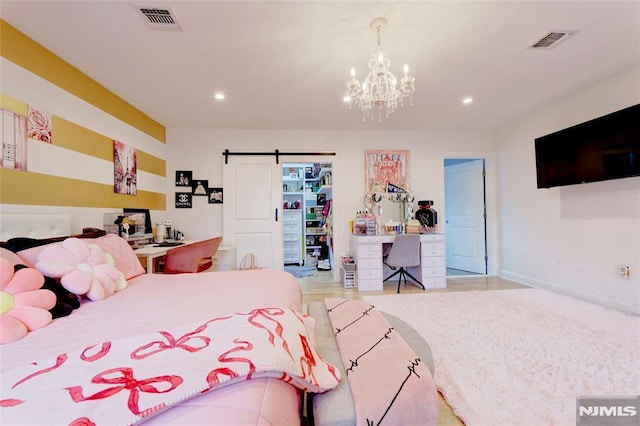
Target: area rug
x,y
507,357
300,271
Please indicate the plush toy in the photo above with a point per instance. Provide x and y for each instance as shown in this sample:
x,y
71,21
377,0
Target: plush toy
x,y
66,301
83,269
23,304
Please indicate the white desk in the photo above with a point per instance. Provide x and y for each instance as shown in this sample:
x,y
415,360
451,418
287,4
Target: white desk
x,y
367,252
148,253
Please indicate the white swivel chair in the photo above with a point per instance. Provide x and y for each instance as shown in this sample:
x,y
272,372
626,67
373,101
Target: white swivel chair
x,y
404,252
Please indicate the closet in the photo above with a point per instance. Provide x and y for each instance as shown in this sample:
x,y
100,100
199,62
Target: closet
x,y
306,218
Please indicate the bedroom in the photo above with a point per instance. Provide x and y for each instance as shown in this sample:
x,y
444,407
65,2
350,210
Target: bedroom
x,y
544,238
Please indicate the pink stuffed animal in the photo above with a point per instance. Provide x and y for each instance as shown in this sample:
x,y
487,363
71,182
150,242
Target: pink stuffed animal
x,y
23,305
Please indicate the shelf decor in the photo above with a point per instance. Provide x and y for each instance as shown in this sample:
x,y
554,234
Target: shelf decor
x,y
386,169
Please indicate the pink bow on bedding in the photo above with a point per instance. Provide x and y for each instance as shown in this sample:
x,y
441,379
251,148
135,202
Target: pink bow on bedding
x,y
124,381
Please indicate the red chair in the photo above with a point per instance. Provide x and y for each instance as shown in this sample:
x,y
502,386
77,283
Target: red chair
x,y
194,257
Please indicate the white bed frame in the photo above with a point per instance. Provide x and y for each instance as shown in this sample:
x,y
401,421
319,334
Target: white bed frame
x,y
34,225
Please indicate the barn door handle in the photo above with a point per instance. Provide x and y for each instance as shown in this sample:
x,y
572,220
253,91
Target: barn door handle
x,y
276,214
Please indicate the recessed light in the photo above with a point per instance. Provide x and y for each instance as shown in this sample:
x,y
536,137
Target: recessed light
x,y
219,96
467,100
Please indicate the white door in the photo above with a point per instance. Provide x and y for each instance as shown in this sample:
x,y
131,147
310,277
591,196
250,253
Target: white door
x,y
252,209
465,216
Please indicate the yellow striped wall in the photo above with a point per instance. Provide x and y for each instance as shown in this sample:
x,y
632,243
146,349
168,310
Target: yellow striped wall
x,y
76,170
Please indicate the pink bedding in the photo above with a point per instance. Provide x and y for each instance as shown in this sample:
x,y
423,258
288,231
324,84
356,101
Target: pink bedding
x,y
153,302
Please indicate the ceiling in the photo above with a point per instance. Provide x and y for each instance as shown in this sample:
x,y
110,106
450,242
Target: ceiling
x,y
284,64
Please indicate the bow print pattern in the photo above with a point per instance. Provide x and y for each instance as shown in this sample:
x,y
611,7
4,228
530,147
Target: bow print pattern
x,y
182,342
212,377
125,381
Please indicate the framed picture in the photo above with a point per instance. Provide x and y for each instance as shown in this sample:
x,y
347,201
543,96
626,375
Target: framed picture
x,y
13,140
183,177
386,170
125,169
183,200
215,195
39,124
200,187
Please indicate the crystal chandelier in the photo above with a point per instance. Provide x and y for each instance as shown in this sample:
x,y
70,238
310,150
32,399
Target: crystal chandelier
x,y
379,90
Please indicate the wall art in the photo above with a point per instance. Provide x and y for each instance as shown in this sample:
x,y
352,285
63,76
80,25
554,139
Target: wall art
x,y
200,187
13,130
183,200
125,169
387,170
39,125
183,177
215,195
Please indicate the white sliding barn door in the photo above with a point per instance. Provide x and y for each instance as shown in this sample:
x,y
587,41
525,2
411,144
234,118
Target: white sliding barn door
x,y
252,208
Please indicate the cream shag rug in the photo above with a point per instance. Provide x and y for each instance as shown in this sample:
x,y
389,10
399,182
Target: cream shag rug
x,y
521,357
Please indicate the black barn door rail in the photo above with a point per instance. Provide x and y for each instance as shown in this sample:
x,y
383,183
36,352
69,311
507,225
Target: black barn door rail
x,y
276,153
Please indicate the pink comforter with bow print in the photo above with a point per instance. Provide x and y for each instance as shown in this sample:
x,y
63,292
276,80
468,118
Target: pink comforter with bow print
x,y
127,380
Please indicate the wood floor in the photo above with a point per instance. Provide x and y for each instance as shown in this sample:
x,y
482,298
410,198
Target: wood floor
x,y
321,285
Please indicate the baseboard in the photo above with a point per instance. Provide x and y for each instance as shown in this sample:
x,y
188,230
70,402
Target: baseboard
x,y
609,303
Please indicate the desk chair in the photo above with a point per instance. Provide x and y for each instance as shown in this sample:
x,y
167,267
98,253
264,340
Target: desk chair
x,y
405,252
195,257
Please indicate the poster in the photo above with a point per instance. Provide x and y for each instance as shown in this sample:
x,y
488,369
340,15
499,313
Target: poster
x,y
215,195
183,177
387,171
39,125
125,169
183,200
13,130
200,187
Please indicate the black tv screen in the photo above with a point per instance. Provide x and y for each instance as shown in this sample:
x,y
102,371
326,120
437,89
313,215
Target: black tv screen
x,y
605,148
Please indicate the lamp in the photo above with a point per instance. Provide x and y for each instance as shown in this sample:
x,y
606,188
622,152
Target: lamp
x,y
379,86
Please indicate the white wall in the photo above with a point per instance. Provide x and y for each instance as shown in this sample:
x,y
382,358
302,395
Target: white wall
x,y
200,150
570,239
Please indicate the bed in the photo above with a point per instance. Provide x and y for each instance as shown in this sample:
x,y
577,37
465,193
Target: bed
x,y
158,308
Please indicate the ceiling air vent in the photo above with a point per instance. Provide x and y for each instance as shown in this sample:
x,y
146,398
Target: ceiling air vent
x,y
160,19
552,39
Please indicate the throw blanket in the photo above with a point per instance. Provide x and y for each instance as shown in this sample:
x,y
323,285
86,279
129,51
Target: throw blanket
x,y
124,381
388,381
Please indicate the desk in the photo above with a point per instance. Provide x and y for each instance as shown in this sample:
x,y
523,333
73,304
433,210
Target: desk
x,y
148,253
367,252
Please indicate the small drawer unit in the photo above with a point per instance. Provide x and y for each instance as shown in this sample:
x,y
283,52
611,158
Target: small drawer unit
x,y
367,253
433,268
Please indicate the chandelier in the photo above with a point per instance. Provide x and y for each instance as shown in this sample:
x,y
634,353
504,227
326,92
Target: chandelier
x,y
379,90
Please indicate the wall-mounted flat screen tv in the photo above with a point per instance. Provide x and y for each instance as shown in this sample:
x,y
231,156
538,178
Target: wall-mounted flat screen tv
x,y
605,148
